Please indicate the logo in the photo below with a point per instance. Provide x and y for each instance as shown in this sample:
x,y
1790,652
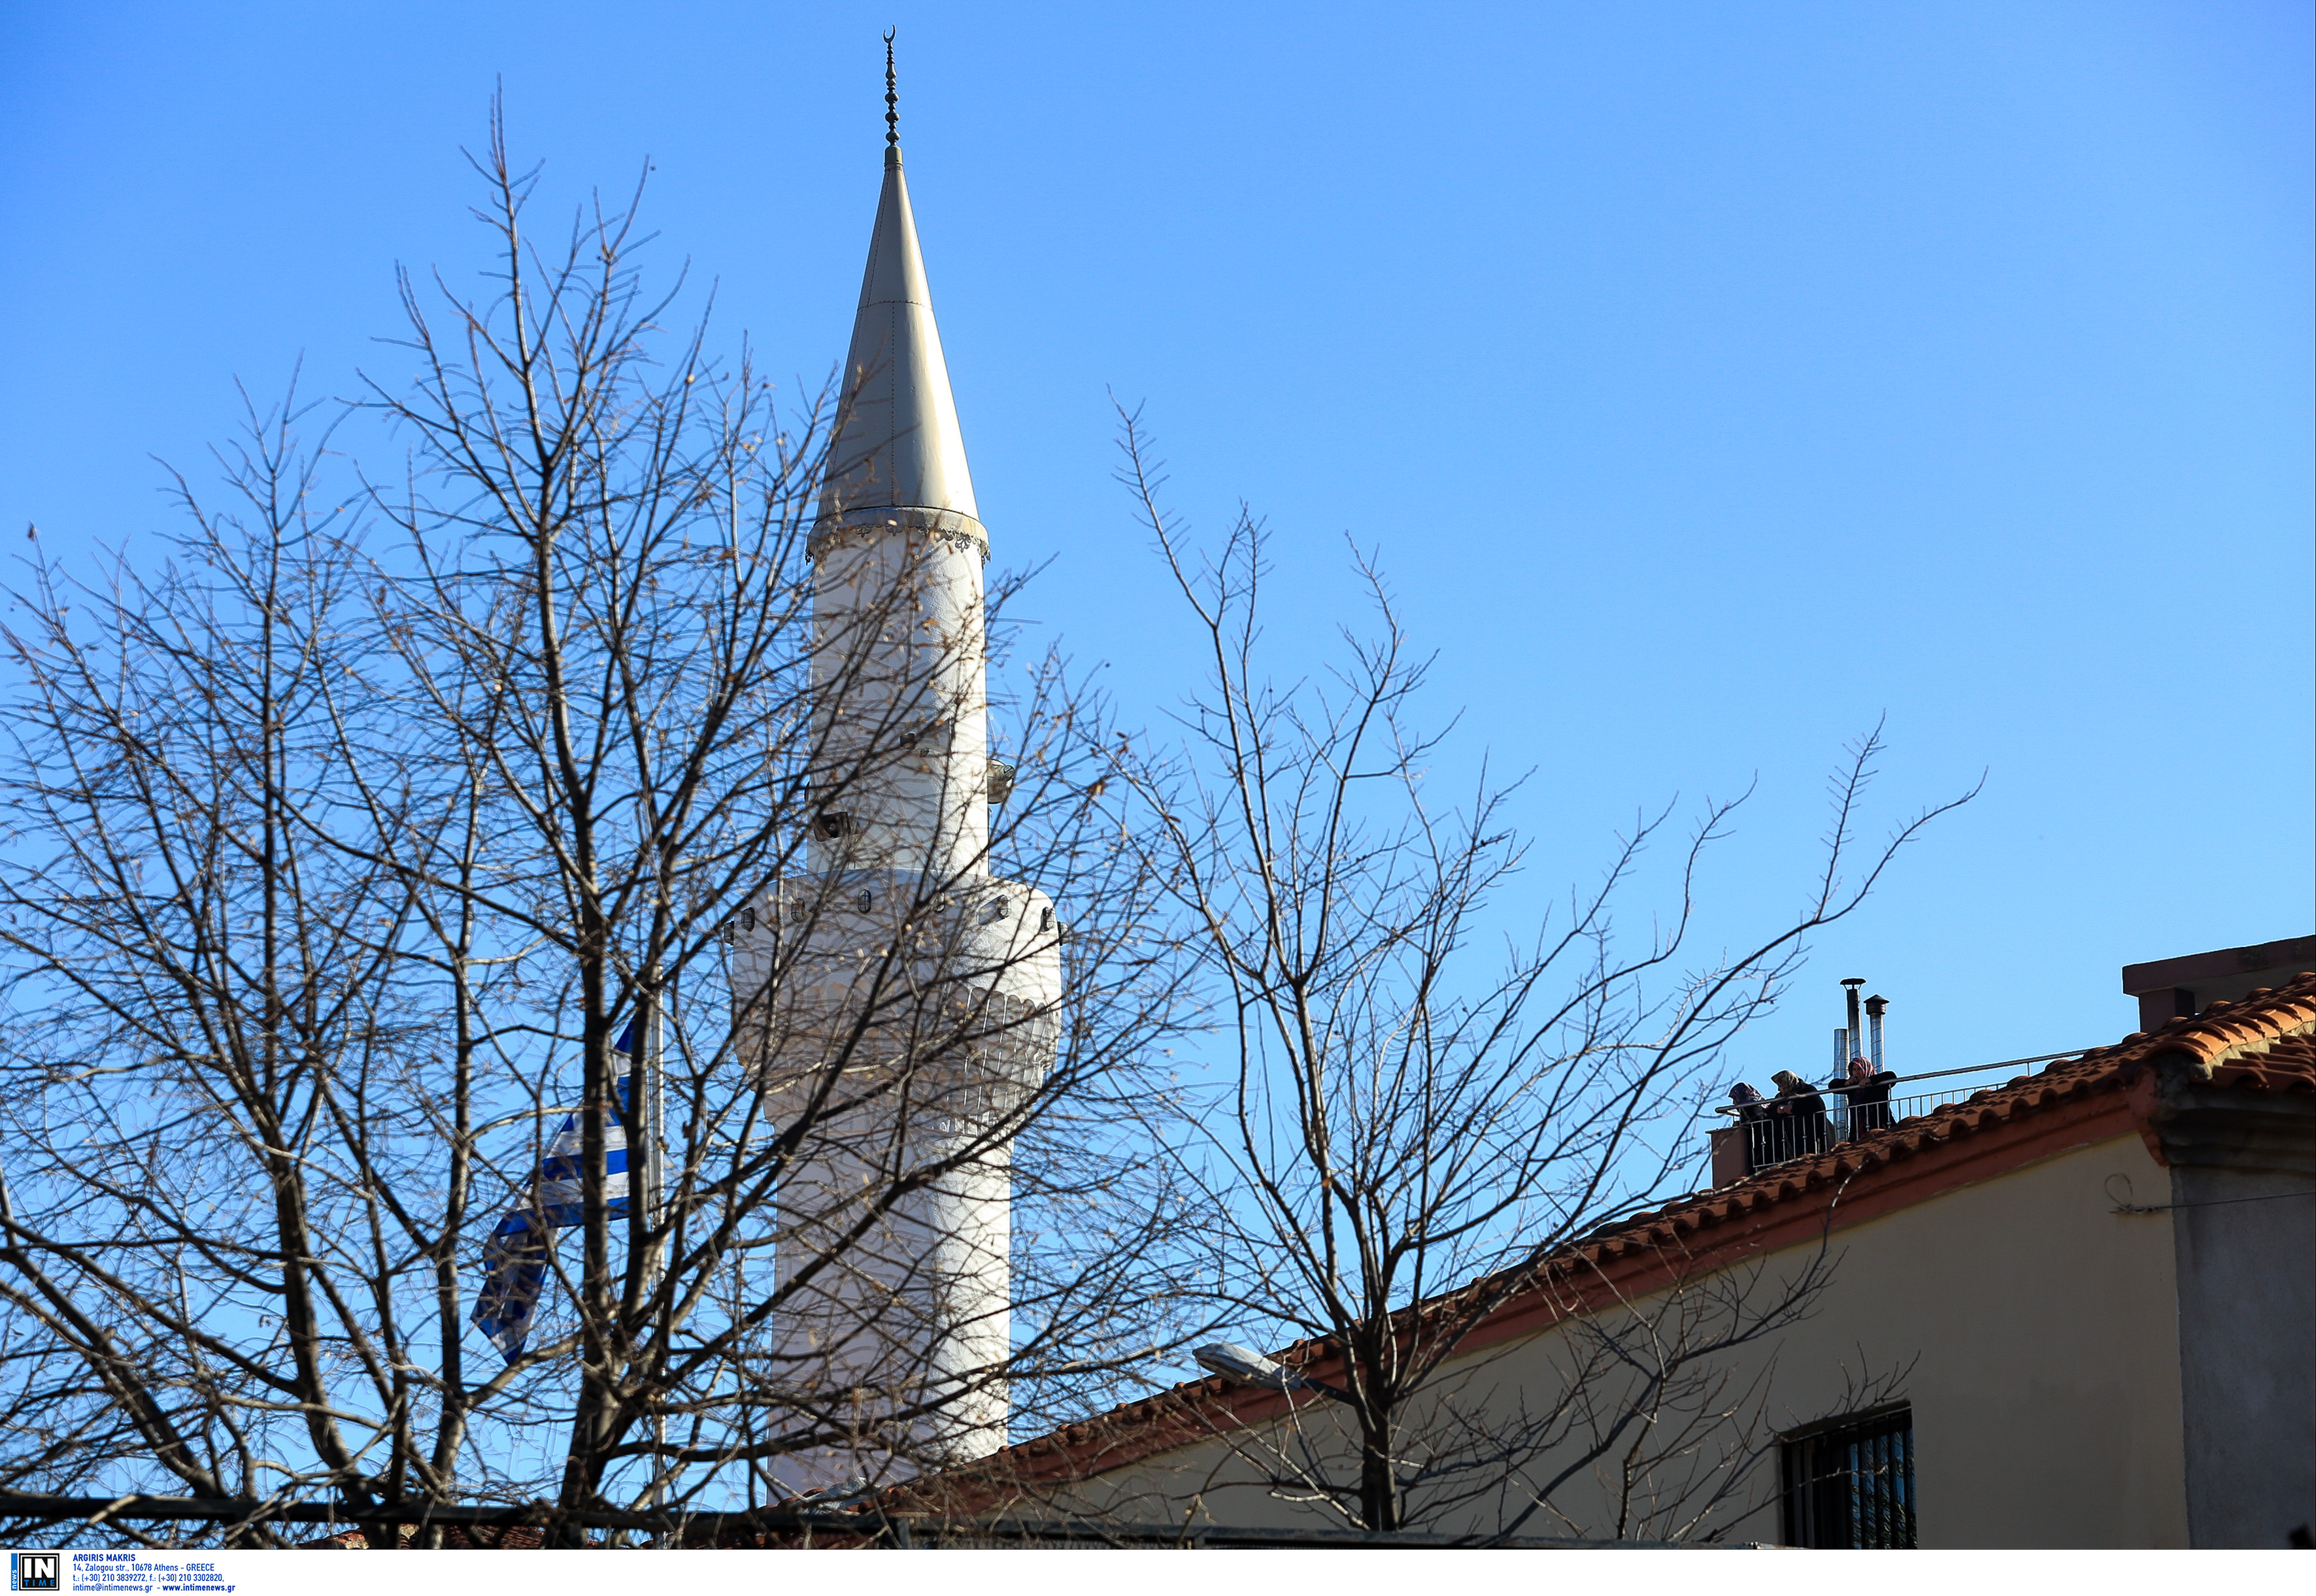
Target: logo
x,y
35,1571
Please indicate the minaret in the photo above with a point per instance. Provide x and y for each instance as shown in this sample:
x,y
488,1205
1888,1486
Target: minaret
x,y
898,1000
897,553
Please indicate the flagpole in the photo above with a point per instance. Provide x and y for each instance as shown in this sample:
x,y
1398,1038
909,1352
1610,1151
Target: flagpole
x,y
655,1140
658,1152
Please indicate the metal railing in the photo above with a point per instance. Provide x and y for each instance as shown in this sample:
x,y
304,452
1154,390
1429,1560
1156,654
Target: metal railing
x,y
1778,1130
1781,1134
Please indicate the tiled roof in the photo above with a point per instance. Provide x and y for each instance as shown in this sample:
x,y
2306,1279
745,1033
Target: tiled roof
x,y
2259,1044
2262,1043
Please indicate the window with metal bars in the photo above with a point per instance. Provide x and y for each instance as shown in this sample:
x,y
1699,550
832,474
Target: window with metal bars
x,y
1850,1482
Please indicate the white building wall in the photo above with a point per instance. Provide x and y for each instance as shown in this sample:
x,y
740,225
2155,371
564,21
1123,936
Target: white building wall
x,y
901,721
2033,1330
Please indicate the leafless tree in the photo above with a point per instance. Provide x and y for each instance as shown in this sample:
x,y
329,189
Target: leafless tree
x,y
345,845
1412,1130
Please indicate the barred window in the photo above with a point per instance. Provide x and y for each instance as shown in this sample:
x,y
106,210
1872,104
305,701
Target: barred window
x,y
1850,1482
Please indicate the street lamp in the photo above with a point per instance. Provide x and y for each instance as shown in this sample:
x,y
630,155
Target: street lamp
x,y
1242,1366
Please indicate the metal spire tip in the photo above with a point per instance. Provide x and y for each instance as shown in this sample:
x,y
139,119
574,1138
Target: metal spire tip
x,y
892,96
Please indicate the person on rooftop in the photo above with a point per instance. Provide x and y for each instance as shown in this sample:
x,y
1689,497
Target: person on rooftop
x,y
1798,1119
1868,1091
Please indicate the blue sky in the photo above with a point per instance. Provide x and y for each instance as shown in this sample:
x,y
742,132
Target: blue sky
x,y
1713,380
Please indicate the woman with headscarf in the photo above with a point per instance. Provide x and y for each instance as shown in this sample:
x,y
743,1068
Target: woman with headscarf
x,y
1745,1103
1797,1114
1867,1092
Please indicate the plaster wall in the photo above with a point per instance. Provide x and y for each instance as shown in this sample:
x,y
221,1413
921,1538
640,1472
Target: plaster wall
x,y
891,1035
900,711
2246,1249
894,1000
2032,1329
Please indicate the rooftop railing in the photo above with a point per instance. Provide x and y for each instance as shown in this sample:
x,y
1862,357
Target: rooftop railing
x,y
1778,1131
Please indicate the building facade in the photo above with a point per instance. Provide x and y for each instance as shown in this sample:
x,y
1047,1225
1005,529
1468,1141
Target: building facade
x,y
2075,1310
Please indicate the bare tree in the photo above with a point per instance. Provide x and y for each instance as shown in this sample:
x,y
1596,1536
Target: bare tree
x,y
348,846
388,868
1414,1130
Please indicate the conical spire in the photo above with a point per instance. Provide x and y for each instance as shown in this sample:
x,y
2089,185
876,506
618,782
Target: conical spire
x,y
897,443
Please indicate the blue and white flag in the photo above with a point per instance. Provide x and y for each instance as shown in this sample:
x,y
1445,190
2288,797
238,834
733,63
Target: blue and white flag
x,y
514,1258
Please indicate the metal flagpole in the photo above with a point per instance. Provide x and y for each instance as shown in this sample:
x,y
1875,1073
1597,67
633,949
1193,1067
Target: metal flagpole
x,y
655,1140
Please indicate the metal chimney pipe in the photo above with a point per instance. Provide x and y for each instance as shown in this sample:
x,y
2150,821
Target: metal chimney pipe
x,y
1841,1053
1875,1005
1850,985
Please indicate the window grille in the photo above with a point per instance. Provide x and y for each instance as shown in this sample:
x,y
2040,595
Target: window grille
x,y
1851,1482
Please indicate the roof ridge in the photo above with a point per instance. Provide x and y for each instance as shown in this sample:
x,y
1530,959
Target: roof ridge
x,y
2224,1030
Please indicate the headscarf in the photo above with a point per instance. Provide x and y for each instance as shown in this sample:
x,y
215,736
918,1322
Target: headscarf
x,y
1860,1071
1789,1081
1741,1094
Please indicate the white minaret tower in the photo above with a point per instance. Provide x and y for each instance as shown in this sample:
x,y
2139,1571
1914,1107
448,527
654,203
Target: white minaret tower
x,y
898,1001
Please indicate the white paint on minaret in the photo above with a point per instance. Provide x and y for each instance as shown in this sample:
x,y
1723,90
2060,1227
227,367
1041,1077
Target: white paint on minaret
x,y
897,920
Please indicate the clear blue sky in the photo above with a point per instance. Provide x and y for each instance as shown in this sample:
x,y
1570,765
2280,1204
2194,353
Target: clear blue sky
x,y
1712,378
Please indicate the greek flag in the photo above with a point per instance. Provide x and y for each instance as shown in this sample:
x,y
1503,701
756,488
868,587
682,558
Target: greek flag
x,y
514,1258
